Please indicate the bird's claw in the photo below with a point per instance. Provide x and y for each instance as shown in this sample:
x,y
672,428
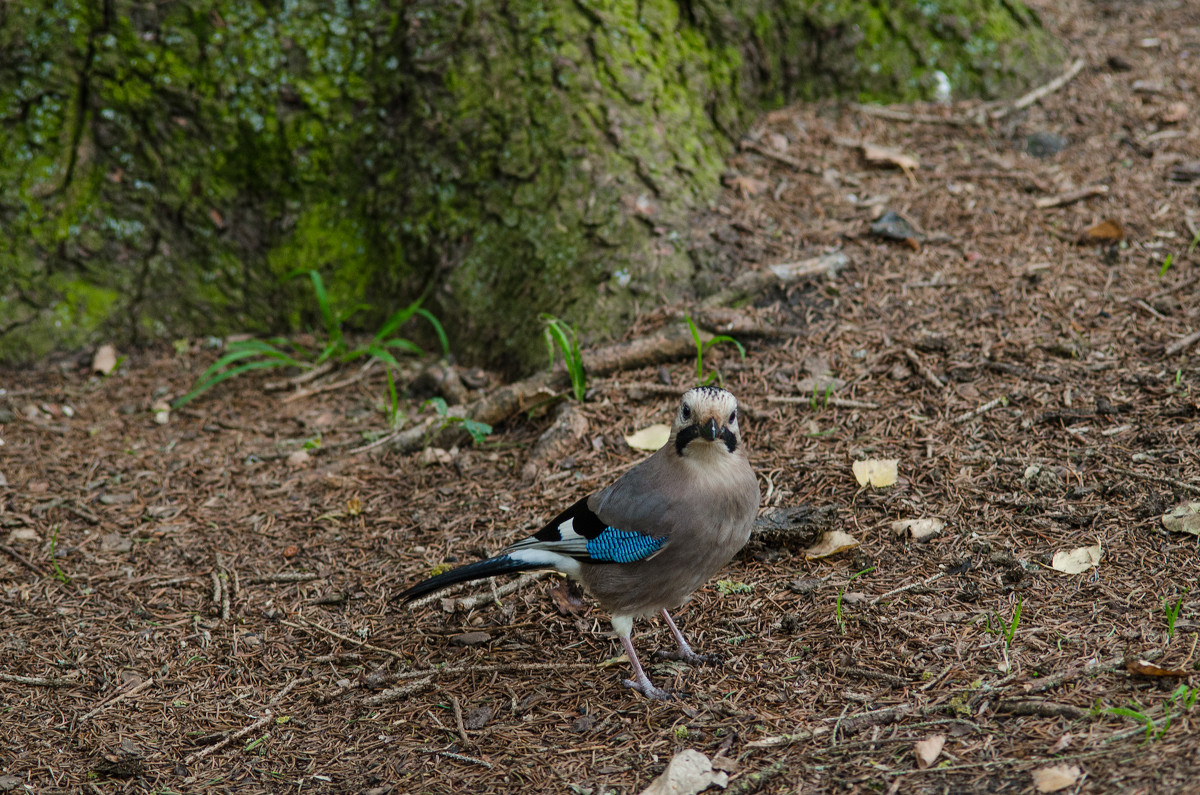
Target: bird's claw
x,y
690,657
649,691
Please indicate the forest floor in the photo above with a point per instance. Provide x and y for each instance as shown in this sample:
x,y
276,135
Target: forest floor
x,y
187,606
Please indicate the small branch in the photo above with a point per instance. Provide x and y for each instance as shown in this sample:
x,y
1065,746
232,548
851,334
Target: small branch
x,y
1070,197
19,558
1039,93
39,681
1181,345
118,699
345,638
1166,481
1043,709
499,668
909,587
397,693
973,413
1111,664
463,758
458,720
212,749
1022,372
284,576
926,373
474,601
841,403
782,157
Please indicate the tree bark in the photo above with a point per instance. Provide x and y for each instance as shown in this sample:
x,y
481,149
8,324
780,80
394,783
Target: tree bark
x,y
168,165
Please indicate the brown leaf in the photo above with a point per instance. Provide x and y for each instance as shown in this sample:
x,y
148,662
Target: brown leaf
x,y
882,155
1174,113
1145,668
470,639
567,600
929,749
746,186
1052,779
1106,232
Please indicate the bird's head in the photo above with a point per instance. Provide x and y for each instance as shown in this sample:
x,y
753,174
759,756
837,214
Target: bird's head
x,y
707,418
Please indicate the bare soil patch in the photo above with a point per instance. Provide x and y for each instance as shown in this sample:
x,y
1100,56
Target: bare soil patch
x,y
183,608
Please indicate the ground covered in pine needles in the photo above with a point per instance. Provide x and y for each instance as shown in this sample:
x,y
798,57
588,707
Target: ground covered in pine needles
x,y
192,606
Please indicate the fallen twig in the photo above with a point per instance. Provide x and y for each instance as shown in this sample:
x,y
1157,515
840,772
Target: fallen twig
x,y
841,403
909,587
475,600
1167,481
463,758
1111,664
360,643
284,576
926,373
1181,345
1070,197
212,749
983,409
19,558
39,681
397,693
139,687
1033,96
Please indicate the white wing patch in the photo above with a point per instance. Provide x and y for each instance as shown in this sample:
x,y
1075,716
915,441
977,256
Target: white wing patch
x,y
548,558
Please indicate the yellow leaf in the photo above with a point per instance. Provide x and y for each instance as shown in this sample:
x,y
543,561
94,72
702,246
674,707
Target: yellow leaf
x,y
1077,560
831,543
650,438
1052,779
879,472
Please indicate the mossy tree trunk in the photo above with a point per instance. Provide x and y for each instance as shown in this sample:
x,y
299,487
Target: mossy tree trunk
x,y
166,166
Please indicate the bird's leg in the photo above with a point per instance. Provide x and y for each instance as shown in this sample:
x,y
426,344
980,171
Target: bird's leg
x,y
685,652
640,682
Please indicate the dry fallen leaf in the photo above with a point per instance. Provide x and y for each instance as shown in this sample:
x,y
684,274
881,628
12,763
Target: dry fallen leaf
x,y
105,360
830,543
1077,560
1106,233
879,472
1183,518
927,750
298,458
650,438
747,186
918,529
1174,113
1052,779
1145,668
1061,745
689,772
881,155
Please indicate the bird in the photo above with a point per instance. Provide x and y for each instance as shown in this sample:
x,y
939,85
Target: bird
x,y
645,543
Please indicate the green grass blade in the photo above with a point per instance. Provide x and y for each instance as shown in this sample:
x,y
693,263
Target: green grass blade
x,y
397,319
437,329
259,365
726,338
406,346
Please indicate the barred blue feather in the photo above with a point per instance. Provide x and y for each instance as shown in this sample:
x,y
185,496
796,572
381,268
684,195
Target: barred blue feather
x,y
622,546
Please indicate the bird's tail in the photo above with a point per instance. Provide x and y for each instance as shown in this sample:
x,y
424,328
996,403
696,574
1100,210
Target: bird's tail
x,y
501,564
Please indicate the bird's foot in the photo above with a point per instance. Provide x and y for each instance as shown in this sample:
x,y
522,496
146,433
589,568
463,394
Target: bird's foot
x,y
649,690
690,657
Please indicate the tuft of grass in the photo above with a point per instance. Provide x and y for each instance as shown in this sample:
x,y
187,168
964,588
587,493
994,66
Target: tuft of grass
x,y
1006,629
478,431
59,574
566,339
1173,613
702,346
842,592
243,356
1166,266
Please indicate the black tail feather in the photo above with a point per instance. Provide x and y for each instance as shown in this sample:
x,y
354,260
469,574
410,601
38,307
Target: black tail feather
x,y
502,564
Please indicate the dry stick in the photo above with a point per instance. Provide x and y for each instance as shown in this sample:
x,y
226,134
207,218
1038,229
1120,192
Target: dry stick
x,y
240,733
1042,709
284,576
892,114
926,373
752,282
841,403
782,157
39,681
300,394
458,720
339,636
472,602
1070,197
118,698
1111,664
463,758
397,693
908,587
499,668
19,558
1038,93
1179,484
973,413
1179,346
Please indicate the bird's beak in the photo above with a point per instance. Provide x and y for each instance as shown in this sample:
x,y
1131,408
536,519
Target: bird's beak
x,y
710,430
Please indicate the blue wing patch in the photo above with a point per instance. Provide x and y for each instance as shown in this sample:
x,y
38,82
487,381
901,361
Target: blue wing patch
x,y
622,546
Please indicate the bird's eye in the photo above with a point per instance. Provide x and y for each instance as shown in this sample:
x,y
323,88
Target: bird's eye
x,y
733,417
686,412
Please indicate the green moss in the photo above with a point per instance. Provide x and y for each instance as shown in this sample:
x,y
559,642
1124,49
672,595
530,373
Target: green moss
x,y
186,157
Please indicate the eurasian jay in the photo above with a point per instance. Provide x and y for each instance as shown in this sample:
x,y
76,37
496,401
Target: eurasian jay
x,y
646,542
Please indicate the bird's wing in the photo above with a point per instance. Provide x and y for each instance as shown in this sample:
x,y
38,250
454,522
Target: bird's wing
x,y
581,534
